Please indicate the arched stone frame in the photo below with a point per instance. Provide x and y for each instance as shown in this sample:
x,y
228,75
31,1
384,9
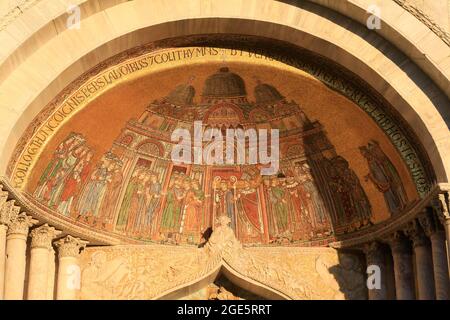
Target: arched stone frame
x,y
413,95
234,276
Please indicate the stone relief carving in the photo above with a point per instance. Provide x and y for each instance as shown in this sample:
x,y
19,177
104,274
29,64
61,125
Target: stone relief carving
x,y
149,272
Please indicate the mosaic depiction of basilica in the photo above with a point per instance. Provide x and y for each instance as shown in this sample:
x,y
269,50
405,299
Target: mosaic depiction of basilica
x,y
136,190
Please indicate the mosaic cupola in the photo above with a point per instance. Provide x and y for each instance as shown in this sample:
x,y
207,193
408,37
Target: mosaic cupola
x,y
224,84
267,94
182,95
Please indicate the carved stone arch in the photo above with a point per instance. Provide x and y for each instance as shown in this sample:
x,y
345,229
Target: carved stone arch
x,y
255,287
424,105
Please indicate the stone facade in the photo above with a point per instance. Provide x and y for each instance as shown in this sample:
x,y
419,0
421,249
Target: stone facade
x,y
391,187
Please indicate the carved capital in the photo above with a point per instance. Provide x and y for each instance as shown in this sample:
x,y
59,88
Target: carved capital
x,y
399,243
70,246
8,210
441,207
21,224
428,222
43,236
374,253
414,231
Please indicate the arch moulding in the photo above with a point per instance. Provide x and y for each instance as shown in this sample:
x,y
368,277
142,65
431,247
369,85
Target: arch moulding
x,y
411,88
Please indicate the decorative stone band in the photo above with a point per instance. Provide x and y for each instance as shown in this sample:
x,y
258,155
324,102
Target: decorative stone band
x,y
21,224
42,237
18,10
70,246
425,19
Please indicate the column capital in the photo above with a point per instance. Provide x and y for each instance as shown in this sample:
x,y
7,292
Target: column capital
x,y
42,237
429,222
21,224
441,207
69,246
399,243
8,209
414,231
373,251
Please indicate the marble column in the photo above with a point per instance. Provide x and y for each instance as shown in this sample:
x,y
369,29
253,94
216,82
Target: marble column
x,y
41,243
69,273
442,210
51,274
423,261
403,266
3,230
16,247
375,257
8,212
434,232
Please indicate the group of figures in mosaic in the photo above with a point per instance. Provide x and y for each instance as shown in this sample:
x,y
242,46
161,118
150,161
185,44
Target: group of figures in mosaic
x,y
136,190
149,199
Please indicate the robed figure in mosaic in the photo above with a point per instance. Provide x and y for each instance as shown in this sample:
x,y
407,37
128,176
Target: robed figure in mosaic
x,y
279,222
385,177
351,201
193,218
224,201
171,216
248,206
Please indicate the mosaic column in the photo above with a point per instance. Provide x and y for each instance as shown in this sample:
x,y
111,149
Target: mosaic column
x,y
16,247
423,261
375,257
8,212
403,266
434,231
69,273
41,243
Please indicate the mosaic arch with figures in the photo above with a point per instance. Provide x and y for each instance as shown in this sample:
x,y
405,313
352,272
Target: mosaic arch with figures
x,y
107,163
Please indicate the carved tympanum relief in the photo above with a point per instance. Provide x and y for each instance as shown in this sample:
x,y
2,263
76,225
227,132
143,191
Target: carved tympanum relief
x,y
153,271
